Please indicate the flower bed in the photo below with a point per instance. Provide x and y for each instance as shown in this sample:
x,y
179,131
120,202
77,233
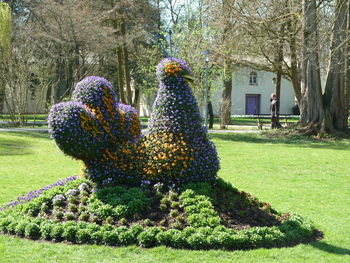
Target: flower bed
x,y
187,217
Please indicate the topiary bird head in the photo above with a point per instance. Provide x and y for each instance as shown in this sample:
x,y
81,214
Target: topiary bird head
x,y
173,70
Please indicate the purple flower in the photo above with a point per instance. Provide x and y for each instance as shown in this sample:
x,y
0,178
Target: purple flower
x,y
34,194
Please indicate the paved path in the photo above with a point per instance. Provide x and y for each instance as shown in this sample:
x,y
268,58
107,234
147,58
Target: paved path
x,y
46,130
23,129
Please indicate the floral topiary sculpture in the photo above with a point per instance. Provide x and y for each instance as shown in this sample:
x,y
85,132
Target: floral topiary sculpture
x,y
98,131
177,146
106,135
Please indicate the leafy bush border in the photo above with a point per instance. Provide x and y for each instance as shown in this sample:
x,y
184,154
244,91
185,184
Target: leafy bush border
x,y
205,231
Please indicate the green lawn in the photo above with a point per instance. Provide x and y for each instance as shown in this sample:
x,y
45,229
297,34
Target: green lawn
x,y
308,177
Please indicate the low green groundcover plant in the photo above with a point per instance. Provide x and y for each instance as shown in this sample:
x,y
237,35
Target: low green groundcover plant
x,y
193,216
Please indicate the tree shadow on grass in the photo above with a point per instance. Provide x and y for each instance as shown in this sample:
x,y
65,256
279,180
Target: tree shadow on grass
x,y
10,147
39,134
330,248
294,141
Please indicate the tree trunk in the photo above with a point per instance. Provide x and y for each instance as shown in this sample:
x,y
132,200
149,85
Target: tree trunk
x,y
347,67
294,65
210,110
312,110
334,97
126,65
136,96
120,75
279,61
48,100
211,115
5,48
226,103
2,97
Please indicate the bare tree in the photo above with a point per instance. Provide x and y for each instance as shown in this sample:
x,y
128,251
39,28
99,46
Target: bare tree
x,y
16,76
5,47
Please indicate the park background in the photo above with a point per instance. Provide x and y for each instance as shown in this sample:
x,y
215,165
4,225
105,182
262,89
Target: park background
x,y
47,46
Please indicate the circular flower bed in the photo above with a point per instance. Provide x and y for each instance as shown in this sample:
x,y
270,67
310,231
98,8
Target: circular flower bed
x,y
191,217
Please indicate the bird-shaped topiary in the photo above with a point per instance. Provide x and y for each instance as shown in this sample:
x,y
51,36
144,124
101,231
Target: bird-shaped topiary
x,y
176,147
105,135
99,131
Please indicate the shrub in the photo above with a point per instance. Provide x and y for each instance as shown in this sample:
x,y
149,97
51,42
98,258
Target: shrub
x,y
46,230
197,241
84,217
69,216
123,221
148,238
136,230
32,209
73,208
71,193
178,238
175,205
32,231
174,213
70,233
4,223
126,238
84,236
200,210
59,200
21,227
165,201
58,214
45,208
165,238
72,199
163,207
110,238
121,211
57,232
173,196
109,220
11,228
97,237
84,200
84,188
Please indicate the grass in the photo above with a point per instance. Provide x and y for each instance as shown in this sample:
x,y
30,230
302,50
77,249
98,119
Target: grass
x,y
305,176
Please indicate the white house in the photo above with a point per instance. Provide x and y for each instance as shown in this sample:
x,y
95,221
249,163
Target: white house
x,y
251,92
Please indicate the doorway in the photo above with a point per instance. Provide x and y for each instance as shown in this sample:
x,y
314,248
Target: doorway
x,y
252,104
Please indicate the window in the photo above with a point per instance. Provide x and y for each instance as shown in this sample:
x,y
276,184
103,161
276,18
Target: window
x,y
253,78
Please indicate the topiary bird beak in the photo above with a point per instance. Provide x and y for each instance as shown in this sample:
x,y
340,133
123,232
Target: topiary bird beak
x,y
188,78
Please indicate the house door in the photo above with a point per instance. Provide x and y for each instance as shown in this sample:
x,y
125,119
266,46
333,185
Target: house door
x,y
252,103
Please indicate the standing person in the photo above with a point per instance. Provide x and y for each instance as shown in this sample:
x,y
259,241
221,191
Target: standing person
x,y
274,106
